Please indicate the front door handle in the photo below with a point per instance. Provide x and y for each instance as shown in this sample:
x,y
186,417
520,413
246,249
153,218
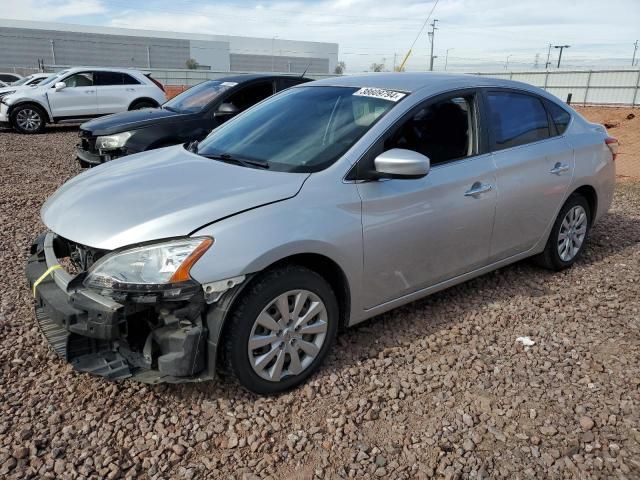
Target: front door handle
x,y
131,89
477,188
559,168
89,91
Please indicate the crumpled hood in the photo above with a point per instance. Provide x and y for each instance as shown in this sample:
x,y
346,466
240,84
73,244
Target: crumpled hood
x,y
153,195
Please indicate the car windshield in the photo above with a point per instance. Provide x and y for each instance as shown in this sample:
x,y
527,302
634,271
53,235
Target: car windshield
x,y
198,96
303,129
51,78
22,81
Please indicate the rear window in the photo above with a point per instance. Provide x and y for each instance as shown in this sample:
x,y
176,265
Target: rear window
x,y
114,78
560,116
516,119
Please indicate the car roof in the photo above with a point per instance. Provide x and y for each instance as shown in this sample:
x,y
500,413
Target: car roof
x,y
412,82
101,69
247,77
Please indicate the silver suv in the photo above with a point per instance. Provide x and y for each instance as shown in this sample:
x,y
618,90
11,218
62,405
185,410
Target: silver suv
x,y
320,207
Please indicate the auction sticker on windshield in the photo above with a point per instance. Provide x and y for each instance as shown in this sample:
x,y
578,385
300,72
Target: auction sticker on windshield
x,y
390,95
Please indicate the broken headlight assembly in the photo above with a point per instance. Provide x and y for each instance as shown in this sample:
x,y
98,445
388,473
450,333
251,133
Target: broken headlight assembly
x,y
112,142
159,267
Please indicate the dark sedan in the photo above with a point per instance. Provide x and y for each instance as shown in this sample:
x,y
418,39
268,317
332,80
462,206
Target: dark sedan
x,y
189,116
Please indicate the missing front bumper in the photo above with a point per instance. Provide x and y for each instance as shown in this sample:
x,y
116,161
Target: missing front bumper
x,y
153,341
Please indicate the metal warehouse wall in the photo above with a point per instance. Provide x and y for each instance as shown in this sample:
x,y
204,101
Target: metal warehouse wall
x,y
607,87
23,43
268,63
23,47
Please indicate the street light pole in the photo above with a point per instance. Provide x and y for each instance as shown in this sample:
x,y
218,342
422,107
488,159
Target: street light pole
x,y
446,58
506,65
635,49
561,47
546,65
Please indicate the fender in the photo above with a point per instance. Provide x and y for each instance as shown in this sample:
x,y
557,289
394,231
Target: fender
x,y
22,101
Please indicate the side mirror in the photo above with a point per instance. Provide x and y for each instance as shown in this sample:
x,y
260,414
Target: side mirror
x,y
226,110
60,86
401,163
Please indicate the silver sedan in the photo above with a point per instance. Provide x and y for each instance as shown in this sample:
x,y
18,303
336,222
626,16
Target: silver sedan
x,y
320,207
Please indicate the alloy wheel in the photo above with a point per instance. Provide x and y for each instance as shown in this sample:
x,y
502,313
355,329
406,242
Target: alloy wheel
x,y
572,233
287,335
28,120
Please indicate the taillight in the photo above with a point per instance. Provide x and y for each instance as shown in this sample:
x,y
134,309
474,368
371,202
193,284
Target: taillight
x,y
613,144
160,86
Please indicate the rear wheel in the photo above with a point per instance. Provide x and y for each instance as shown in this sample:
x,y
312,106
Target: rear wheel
x,y
140,104
28,118
281,330
568,235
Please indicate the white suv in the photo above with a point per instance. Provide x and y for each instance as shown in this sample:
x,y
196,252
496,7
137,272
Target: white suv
x,y
79,93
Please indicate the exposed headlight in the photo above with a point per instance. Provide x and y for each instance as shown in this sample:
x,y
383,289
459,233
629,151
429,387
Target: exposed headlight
x,y
158,264
4,94
112,142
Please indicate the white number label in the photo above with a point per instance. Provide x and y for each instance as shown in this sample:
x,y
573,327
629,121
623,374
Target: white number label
x,y
229,84
390,95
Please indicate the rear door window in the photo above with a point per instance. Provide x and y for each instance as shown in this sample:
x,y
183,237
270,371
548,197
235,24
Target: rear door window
x,y
560,117
516,119
108,78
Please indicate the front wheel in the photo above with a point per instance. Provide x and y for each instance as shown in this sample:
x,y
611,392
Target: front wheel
x,y
28,119
281,330
568,235
142,104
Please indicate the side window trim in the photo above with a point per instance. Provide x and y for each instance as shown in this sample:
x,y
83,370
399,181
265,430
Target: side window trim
x,y
481,137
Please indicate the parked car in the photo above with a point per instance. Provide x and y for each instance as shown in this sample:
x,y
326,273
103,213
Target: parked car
x,y
323,206
189,116
30,80
9,78
79,93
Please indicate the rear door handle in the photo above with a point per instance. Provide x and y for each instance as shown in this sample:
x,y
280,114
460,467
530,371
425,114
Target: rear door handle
x,y
131,89
89,91
559,168
478,188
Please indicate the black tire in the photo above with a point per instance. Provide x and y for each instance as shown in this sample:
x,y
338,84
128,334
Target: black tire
x,y
35,112
550,258
238,327
140,104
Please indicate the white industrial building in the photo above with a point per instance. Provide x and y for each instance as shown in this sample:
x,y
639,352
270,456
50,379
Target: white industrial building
x,y
25,43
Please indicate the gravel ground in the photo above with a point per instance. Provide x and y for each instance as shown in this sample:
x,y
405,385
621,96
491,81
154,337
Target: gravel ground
x,y
439,388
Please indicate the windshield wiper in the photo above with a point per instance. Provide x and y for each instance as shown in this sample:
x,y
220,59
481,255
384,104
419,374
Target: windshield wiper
x,y
225,157
171,109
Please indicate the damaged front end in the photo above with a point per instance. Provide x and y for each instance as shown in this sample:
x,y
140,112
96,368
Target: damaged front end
x,y
152,332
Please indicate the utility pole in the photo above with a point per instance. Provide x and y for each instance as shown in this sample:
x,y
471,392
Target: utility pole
x,y
561,47
546,65
431,39
635,49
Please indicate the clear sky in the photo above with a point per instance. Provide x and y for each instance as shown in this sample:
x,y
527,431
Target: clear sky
x,y
479,34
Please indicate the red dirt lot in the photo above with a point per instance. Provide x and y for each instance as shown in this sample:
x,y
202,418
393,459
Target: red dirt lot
x,y
625,129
